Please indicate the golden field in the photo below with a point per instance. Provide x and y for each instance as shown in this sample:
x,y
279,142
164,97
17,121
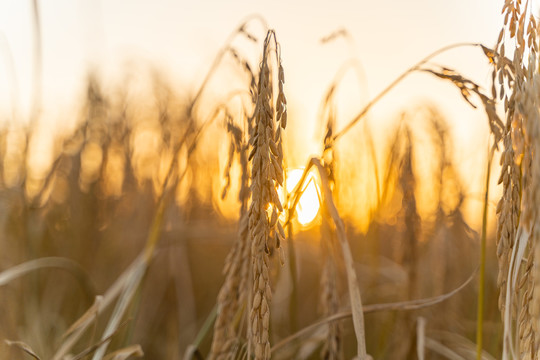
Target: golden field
x,y
167,225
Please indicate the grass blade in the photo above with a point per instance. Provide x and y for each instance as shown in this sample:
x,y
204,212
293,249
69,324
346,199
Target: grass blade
x,y
354,289
24,347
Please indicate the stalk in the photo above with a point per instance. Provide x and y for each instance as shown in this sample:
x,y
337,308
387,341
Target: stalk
x,y
482,277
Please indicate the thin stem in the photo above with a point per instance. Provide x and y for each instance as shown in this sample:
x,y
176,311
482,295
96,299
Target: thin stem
x,y
293,302
352,282
412,69
482,277
206,328
401,305
221,54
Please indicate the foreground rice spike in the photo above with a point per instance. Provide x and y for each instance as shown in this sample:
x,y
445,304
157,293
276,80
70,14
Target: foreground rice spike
x,y
528,277
509,205
265,230
508,208
517,239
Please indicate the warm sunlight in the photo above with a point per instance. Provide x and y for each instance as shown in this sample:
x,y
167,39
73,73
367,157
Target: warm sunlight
x,y
308,205
241,175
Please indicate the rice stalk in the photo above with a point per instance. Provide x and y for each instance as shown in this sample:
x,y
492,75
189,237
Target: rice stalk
x,y
516,236
354,291
418,66
265,231
233,294
508,210
226,49
482,277
529,275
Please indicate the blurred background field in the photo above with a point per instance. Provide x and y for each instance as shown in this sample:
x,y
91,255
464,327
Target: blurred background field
x,y
100,100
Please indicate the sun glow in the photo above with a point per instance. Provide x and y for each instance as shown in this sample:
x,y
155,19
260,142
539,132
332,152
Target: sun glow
x,y
309,204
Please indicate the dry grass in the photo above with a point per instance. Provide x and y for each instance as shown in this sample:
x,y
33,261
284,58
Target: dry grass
x,y
120,246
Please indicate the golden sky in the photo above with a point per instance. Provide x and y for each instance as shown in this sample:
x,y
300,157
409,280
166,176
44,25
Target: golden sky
x,y
181,37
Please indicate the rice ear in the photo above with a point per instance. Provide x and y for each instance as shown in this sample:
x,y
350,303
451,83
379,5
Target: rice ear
x,y
266,173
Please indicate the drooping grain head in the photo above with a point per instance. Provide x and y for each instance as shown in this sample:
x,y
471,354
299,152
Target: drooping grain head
x,y
265,230
529,276
508,208
233,294
517,238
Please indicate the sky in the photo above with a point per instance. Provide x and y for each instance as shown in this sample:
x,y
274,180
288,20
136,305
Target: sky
x,y
181,38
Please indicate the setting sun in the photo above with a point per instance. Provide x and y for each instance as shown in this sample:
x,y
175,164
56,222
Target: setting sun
x,y
309,203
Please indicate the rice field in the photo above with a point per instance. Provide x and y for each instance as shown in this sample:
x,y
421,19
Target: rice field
x,y
172,226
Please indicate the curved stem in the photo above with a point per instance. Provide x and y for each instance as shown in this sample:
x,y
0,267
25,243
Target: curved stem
x,y
401,305
482,277
352,282
222,52
415,67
